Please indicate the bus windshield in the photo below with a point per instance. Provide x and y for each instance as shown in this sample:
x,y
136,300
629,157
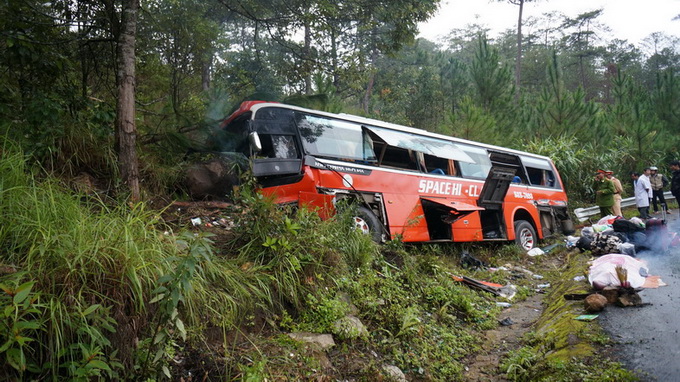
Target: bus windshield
x,y
335,138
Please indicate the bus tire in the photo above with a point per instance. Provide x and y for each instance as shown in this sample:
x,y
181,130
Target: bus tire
x,y
369,224
525,235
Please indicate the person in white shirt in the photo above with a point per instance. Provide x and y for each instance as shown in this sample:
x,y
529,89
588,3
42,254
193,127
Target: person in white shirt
x,y
643,192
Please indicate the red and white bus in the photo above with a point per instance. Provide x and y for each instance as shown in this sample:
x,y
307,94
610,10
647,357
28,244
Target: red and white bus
x,y
407,183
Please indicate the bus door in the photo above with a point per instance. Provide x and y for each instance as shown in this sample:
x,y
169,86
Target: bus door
x,y
275,150
504,167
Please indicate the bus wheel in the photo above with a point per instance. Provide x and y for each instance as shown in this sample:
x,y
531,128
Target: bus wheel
x,y
525,235
369,224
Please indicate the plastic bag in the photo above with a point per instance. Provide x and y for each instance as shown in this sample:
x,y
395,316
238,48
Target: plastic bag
x,y
588,232
607,220
602,272
627,249
638,221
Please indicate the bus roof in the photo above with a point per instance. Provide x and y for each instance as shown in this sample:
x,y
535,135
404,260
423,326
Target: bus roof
x,y
254,106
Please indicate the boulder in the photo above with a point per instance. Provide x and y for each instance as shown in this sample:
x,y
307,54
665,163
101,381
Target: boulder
x,y
350,327
393,373
323,341
211,179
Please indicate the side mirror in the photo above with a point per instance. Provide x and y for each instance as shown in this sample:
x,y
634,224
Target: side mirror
x,y
254,140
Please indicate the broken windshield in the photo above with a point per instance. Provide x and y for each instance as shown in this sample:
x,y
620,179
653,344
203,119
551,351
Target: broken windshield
x,y
335,138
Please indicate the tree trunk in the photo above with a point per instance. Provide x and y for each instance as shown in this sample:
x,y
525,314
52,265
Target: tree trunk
x,y
334,60
518,63
307,58
126,129
206,71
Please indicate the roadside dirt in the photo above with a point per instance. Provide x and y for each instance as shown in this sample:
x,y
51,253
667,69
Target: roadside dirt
x,y
498,342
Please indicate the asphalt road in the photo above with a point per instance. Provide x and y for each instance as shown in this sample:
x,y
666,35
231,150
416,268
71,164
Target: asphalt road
x,y
647,338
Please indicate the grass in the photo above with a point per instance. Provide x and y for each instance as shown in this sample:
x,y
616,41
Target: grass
x,y
97,291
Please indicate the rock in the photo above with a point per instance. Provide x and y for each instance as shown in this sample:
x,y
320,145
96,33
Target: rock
x,y
323,341
595,303
350,327
394,373
212,179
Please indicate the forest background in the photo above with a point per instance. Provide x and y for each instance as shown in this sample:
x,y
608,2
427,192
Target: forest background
x,y
117,97
564,91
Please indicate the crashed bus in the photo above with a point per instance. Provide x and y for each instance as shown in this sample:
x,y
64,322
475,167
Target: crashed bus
x,y
405,183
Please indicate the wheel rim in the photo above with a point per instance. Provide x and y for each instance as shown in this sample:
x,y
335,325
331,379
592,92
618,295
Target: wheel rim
x,y
526,238
361,225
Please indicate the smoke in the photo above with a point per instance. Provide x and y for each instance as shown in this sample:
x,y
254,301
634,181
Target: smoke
x,y
662,254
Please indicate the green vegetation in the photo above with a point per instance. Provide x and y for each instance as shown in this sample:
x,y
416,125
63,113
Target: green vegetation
x,y
95,288
91,290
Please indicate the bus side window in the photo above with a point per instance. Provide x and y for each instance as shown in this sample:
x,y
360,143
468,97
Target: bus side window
x,y
539,177
439,166
550,179
397,157
535,176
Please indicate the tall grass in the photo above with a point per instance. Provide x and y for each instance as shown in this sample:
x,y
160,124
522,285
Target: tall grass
x,y
106,284
79,255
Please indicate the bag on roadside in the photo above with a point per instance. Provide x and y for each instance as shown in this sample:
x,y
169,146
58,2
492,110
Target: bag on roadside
x,y
605,244
626,226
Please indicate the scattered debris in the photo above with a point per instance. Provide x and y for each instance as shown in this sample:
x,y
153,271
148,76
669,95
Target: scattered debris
x,y
550,247
535,252
525,271
492,269
506,321
611,294
483,285
202,204
470,262
503,304
507,291
576,296
586,317
628,297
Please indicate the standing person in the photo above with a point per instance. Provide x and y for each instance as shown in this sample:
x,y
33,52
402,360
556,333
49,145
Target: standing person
x,y
604,193
642,193
675,180
618,190
658,182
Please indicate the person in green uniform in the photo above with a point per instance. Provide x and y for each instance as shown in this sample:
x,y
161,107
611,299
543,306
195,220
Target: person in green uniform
x,y
604,193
